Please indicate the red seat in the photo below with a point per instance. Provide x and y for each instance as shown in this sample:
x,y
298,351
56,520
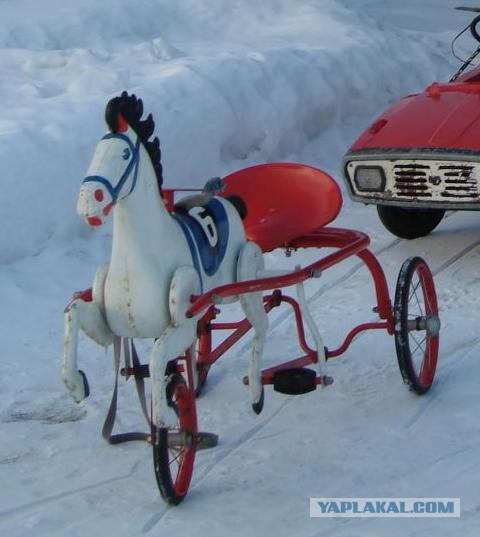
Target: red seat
x,y
284,201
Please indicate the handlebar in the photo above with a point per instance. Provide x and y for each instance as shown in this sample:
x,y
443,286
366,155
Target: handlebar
x,y
475,21
475,34
473,28
471,9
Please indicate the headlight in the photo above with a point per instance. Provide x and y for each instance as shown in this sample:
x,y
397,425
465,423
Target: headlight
x,y
370,178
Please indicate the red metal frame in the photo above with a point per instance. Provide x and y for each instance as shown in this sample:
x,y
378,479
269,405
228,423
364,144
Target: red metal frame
x,y
349,243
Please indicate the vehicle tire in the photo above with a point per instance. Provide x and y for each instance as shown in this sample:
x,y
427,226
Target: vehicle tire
x,y
416,324
408,223
174,449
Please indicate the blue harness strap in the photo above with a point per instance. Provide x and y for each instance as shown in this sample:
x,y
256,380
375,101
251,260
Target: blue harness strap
x,y
205,255
114,191
192,248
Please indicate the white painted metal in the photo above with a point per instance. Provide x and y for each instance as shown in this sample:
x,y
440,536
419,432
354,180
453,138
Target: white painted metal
x,y
308,319
250,263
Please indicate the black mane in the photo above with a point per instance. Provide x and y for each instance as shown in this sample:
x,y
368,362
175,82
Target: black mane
x,y
131,109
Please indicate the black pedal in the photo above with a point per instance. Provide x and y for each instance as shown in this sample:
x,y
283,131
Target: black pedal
x,y
295,381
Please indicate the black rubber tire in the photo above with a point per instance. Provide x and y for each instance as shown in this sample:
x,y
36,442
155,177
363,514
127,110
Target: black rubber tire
x,y
408,223
473,28
173,485
416,312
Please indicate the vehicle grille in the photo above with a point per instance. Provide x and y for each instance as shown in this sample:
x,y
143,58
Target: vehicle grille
x,y
452,183
448,181
412,180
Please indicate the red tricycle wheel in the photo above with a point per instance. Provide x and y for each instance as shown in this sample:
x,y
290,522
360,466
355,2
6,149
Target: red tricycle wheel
x,y
417,324
174,449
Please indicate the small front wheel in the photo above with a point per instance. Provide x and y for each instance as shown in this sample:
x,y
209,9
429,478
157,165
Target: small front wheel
x,y
174,449
417,324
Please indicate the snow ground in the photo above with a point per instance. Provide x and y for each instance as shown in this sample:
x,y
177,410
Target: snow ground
x,y
291,80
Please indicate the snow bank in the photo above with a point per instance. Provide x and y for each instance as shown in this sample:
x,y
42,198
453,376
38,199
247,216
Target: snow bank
x,y
227,87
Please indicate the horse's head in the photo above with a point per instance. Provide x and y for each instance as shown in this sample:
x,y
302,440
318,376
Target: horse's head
x,y
113,172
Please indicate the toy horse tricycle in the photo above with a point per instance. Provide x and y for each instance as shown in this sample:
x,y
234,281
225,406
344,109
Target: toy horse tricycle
x,y
174,264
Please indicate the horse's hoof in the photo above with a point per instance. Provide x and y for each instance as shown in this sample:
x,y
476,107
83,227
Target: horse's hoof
x,y
86,387
77,386
258,406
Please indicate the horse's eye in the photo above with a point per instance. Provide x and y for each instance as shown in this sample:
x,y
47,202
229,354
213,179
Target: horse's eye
x,y
126,153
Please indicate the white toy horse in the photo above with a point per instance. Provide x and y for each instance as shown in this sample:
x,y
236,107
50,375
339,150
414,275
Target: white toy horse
x,y
158,261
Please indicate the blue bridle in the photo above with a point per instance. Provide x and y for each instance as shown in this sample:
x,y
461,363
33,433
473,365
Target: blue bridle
x,y
132,165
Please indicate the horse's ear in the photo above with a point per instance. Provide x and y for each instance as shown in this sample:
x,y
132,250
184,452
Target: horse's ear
x,y
122,124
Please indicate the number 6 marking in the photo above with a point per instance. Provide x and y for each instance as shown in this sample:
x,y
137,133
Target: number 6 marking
x,y
207,223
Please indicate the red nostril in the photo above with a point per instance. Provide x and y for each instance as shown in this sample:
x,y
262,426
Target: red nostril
x,y
98,194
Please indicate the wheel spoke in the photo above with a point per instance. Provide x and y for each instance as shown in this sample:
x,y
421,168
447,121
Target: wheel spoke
x,y
176,459
418,344
416,298
428,305
413,289
420,375
425,363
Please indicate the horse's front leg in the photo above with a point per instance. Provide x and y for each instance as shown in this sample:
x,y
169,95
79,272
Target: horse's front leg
x,y
85,312
173,343
178,337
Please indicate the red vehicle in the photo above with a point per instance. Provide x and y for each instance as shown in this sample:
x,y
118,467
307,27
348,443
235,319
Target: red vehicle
x,y
421,157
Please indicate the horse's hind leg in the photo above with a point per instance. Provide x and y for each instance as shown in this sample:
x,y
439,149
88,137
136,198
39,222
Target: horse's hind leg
x,y
250,261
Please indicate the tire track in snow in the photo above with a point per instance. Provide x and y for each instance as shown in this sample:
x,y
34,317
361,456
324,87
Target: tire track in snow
x,y
456,257
65,494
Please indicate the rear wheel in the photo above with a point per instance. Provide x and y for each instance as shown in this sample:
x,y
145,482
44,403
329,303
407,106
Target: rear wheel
x,y
174,449
408,223
417,324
